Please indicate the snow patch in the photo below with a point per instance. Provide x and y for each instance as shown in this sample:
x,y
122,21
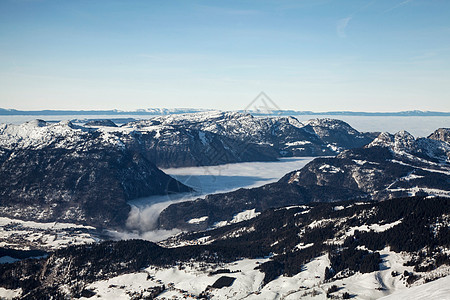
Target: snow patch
x,y
339,207
198,220
9,294
202,137
303,246
374,227
245,215
297,143
319,223
330,169
360,162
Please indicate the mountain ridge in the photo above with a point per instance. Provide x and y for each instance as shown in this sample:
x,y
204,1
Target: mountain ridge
x,y
381,170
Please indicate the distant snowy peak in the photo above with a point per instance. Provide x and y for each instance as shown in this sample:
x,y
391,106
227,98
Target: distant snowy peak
x,y
38,134
36,123
403,142
166,111
328,123
441,134
337,133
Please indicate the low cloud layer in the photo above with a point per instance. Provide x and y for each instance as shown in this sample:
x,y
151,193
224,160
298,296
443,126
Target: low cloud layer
x,y
142,222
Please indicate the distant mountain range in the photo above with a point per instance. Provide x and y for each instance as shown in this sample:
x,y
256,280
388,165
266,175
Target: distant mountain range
x,y
166,111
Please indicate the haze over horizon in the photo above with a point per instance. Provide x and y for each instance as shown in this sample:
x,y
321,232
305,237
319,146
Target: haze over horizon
x,y
374,56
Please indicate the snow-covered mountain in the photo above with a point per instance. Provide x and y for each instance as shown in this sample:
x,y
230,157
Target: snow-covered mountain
x,y
285,136
434,148
198,139
66,172
389,167
62,172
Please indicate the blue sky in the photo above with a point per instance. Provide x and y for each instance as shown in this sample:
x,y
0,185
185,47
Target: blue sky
x,y
385,55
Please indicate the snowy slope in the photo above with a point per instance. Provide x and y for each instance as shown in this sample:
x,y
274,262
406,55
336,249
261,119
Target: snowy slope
x,y
435,290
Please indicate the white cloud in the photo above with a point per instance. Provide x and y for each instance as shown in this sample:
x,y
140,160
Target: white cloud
x,y
397,5
341,26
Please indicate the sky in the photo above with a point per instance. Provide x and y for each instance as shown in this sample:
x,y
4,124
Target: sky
x,y
379,55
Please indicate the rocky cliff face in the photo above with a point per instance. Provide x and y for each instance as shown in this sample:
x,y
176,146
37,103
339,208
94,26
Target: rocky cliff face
x,y
181,147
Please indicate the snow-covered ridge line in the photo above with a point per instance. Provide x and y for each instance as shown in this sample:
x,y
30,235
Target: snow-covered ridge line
x,y
272,136
430,150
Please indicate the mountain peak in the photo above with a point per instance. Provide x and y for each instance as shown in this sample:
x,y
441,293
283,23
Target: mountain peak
x,y
36,123
441,134
400,141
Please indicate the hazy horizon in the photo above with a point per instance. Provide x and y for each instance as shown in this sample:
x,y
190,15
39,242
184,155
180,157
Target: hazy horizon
x,y
175,109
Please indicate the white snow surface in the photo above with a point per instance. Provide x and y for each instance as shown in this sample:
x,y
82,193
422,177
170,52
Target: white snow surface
x,y
434,290
9,294
39,134
325,168
245,215
374,227
198,220
360,162
193,279
41,225
239,217
298,143
432,192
